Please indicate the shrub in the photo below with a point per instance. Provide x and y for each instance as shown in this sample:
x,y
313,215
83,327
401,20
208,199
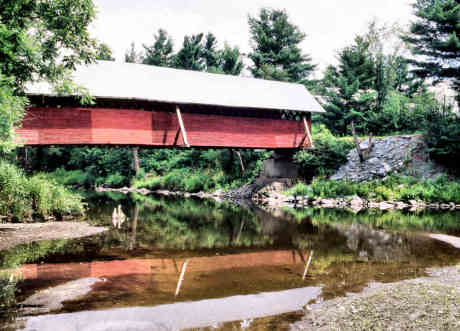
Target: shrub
x,y
442,138
327,156
22,198
394,187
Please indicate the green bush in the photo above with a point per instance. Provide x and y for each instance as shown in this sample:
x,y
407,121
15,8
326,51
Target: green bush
x,y
395,187
327,156
23,197
442,138
299,189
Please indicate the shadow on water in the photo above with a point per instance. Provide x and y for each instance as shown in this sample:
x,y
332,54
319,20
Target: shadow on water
x,y
220,250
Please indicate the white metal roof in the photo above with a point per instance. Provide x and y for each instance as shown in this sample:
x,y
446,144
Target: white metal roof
x,y
106,79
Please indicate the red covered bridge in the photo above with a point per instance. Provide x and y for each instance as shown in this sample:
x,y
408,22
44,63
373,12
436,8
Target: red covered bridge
x,y
161,107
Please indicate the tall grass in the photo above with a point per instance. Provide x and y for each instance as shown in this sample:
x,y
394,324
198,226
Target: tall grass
x,y
399,188
24,198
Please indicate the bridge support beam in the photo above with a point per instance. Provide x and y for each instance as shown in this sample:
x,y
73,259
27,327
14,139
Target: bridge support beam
x,y
182,127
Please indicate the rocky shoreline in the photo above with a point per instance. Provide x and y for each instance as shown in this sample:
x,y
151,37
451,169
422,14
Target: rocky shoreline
x,y
272,197
354,203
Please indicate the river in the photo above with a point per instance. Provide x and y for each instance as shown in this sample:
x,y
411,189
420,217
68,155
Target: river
x,y
179,263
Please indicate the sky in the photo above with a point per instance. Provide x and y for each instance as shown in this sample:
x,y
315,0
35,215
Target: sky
x,y
329,24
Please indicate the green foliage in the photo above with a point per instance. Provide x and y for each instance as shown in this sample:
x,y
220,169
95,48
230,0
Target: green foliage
x,y
442,138
196,170
300,189
435,38
275,51
38,40
35,34
373,88
392,188
7,292
327,156
160,53
133,56
11,113
23,198
104,52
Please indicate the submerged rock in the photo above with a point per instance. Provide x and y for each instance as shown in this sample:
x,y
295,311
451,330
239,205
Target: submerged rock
x,y
51,299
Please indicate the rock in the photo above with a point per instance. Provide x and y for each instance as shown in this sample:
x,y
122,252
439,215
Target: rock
x,y
52,298
385,205
373,205
401,205
328,203
433,206
387,156
413,203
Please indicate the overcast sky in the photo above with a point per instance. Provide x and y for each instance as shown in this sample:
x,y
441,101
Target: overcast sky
x,y
329,24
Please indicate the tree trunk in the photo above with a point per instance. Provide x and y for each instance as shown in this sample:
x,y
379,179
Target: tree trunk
x,y
135,160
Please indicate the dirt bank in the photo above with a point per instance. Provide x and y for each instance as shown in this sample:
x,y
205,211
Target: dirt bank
x,y
17,234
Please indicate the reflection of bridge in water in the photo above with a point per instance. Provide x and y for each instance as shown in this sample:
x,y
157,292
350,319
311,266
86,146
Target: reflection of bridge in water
x,y
161,266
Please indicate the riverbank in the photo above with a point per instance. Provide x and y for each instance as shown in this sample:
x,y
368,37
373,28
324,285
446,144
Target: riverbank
x,y
13,234
426,303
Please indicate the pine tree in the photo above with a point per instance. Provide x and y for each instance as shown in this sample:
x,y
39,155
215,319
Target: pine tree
x,y
201,53
190,56
160,53
104,53
132,56
435,38
347,88
275,52
229,61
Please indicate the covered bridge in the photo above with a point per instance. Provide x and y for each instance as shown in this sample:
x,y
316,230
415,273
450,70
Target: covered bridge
x,y
142,105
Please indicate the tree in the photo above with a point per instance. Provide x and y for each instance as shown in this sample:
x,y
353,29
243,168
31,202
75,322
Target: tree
x,y
160,53
190,56
275,51
38,40
44,38
132,56
348,87
229,61
104,53
435,38
201,53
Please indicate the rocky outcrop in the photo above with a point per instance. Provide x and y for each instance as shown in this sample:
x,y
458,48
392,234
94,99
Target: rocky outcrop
x,y
392,154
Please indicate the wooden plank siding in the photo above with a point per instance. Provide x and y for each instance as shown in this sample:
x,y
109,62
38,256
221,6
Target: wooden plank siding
x,y
102,126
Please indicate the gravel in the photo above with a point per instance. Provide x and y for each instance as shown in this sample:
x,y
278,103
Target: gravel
x,y
12,234
427,303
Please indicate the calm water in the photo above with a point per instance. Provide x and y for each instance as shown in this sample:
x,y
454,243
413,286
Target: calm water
x,y
241,267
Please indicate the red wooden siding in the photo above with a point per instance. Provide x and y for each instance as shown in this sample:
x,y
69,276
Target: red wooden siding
x,y
95,126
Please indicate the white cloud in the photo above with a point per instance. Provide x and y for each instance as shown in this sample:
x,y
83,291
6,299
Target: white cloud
x,y
329,24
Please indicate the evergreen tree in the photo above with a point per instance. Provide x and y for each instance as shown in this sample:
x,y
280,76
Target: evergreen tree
x,y
104,52
229,61
132,56
435,38
160,53
348,96
201,53
190,56
275,52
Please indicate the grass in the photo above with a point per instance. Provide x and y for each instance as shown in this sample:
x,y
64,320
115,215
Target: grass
x,y
397,188
24,198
